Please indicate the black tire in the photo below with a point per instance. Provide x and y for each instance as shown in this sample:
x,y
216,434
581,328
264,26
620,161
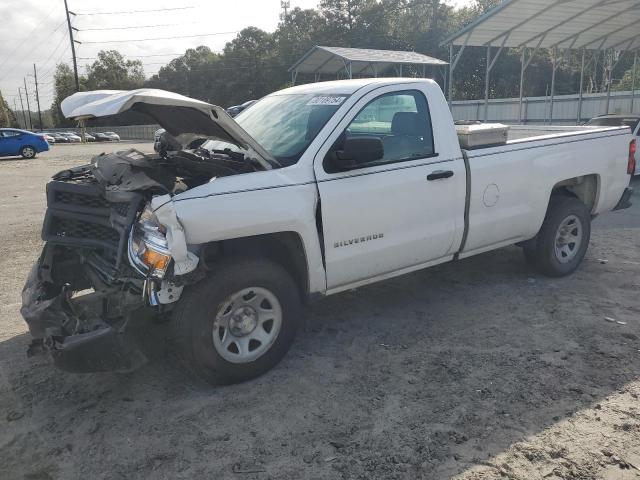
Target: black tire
x,y
196,311
28,152
540,251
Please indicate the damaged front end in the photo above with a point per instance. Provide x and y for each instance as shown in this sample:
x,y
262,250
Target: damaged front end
x,y
114,247
80,294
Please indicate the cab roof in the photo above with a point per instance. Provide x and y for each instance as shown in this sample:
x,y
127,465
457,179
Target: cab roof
x,y
346,87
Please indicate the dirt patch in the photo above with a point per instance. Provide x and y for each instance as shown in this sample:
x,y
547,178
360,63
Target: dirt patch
x,y
475,370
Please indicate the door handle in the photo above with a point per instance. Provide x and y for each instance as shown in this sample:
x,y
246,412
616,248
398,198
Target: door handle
x,y
439,175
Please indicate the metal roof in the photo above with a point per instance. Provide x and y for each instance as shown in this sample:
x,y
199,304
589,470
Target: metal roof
x,y
331,60
574,24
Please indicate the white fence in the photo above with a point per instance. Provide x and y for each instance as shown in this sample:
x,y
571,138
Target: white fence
x,y
536,110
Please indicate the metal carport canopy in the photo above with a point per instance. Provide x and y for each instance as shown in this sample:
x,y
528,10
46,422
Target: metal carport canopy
x,y
575,24
558,25
332,60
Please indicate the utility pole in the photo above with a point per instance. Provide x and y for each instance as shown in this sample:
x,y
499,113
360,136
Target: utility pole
x,y
24,118
73,45
35,77
285,5
26,93
15,111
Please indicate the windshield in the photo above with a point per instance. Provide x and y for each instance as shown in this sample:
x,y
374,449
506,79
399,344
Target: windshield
x,y
614,122
285,125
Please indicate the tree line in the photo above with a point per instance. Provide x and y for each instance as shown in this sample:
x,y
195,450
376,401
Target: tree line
x,y
255,63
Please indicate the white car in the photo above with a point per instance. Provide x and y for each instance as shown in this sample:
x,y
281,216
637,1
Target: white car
x,y
632,121
315,190
48,137
113,136
72,137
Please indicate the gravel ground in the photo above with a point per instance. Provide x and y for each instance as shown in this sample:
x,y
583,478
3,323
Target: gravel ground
x,y
474,370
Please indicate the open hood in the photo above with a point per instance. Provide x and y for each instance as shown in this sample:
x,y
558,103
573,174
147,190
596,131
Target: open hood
x,y
183,117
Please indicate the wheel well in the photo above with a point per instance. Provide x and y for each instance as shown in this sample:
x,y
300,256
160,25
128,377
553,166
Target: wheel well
x,y
584,188
284,248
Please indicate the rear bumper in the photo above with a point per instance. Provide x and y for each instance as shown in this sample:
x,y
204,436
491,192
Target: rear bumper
x,y
625,200
71,331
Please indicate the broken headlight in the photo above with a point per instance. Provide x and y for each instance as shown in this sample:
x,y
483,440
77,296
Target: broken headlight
x,y
148,248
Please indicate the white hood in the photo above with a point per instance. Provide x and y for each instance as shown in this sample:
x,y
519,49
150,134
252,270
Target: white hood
x,y
183,117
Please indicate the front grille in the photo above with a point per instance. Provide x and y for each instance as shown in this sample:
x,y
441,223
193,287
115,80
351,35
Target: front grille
x,y
78,199
78,215
77,229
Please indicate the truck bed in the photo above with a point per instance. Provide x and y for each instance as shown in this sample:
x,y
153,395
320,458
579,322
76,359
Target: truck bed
x,y
528,133
519,132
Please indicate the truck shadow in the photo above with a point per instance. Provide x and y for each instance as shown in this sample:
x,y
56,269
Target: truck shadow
x,y
417,377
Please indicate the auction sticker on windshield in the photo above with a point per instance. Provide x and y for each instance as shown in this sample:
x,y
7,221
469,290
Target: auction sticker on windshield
x,y
331,100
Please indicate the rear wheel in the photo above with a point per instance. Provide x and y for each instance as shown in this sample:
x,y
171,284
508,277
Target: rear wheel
x,y
562,242
28,152
238,323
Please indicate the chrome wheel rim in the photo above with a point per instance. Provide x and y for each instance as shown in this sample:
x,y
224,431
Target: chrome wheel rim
x,y
247,324
28,152
568,239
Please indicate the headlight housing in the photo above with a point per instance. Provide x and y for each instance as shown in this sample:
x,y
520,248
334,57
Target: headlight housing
x,y
148,248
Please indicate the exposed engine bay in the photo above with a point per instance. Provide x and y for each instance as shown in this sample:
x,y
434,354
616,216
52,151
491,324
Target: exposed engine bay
x,y
107,255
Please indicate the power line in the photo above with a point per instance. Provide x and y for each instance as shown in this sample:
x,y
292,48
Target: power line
x,y
55,64
22,42
133,11
55,50
137,26
9,71
162,38
139,56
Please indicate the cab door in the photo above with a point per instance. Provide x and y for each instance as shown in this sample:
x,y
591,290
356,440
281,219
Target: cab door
x,y
396,213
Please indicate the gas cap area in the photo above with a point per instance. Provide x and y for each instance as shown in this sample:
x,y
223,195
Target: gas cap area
x,y
491,195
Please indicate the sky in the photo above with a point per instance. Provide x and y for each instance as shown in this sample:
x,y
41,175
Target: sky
x,y
39,34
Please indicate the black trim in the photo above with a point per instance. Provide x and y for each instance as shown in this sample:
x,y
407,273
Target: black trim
x,y
625,200
467,206
536,139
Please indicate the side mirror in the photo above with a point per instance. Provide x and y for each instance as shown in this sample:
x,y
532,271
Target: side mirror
x,y
357,151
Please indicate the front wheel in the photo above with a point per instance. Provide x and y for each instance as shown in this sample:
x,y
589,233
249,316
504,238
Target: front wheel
x,y
28,152
239,322
563,239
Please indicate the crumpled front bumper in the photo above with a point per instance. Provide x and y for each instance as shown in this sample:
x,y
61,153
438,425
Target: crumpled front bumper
x,y
58,325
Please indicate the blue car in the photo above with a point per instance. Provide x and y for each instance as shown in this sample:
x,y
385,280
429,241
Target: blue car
x,y
14,142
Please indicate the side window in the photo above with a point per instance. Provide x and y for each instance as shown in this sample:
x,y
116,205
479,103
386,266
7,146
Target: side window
x,y
11,133
401,121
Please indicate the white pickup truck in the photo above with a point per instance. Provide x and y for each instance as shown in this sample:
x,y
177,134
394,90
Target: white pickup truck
x,y
313,190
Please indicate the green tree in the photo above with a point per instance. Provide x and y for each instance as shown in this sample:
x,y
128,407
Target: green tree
x,y
342,17
627,81
297,33
7,116
64,86
250,67
111,71
190,74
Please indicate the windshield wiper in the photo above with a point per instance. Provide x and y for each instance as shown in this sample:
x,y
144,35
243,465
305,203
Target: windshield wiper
x,y
230,153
